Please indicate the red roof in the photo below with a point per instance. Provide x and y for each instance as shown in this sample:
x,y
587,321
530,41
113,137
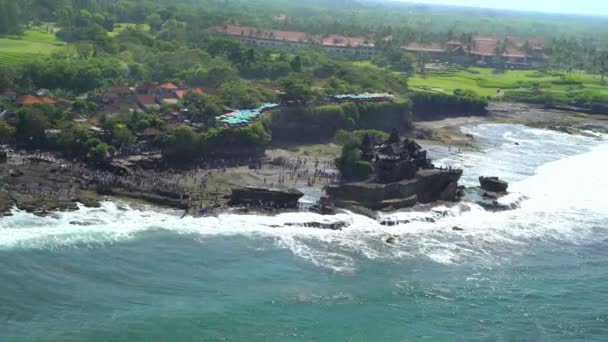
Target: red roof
x,y
248,31
150,132
146,100
421,47
47,100
486,46
169,86
339,40
28,100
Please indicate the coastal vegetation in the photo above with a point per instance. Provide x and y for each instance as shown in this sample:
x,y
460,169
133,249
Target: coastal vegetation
x,y
111,75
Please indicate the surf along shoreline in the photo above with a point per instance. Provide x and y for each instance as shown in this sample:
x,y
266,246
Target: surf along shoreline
x,y
42,183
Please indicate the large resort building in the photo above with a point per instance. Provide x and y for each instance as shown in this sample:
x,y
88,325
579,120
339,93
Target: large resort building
x,y
515,52
354,47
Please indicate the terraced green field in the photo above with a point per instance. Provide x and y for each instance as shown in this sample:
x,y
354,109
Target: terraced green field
x,y
485,82
32,44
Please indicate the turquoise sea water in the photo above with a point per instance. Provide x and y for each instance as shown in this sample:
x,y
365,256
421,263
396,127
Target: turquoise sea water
x,y
537,273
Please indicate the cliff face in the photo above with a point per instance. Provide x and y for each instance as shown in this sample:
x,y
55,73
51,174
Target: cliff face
x,y
320,123
427,186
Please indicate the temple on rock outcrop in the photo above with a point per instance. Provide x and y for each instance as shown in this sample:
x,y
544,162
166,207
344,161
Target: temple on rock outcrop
x,y
401,175
395,159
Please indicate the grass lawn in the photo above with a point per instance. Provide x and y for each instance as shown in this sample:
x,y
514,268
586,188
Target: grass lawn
x,y
119,27
485,82
32,44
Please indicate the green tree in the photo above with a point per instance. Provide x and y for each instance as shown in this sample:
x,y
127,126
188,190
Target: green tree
x,y
180,144
296,90
122,136
296,64
155,22
7,132
73,139
202,108
31,125
242,94
351,165
98,154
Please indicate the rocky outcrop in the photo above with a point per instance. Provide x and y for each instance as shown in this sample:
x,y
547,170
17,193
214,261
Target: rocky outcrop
x,y
427,186
266,197
493,184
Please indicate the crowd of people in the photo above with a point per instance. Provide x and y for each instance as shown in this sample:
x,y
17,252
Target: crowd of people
x,y
196,187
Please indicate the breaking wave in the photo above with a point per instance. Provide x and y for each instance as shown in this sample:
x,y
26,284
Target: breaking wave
x,y
559,200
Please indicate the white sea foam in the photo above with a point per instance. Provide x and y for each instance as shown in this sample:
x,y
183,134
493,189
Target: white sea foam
x,y
563,200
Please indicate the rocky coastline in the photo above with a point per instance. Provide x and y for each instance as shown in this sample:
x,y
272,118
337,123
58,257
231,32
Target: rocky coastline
x,y
42,183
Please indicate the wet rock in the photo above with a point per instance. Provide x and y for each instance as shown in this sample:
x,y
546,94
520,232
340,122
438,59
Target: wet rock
x,y
490,195
563,129
457,229
427,186
15,173
391,240
320,225
493,184
80,223
3,156
397,203
323,209
266,197
496,206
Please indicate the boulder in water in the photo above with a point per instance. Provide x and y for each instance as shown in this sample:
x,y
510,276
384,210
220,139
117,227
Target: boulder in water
x,y
493,184
391,240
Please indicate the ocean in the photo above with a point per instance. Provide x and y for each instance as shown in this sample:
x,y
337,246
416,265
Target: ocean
x,y
535,273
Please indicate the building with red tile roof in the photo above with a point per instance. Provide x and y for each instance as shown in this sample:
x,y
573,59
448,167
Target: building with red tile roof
x,y
29,100
423,47
148,102
518,52
268,34
150,132
47,100
115,93
169,86
180,94
357,47
337,40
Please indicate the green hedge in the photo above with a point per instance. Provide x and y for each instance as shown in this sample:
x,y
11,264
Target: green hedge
x,y
427,105
235,142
